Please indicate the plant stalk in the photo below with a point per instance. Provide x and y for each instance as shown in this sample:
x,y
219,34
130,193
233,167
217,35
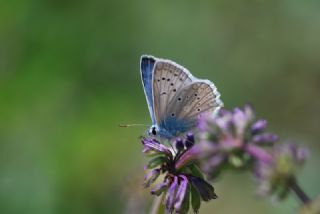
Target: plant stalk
x,y
299,192
157,207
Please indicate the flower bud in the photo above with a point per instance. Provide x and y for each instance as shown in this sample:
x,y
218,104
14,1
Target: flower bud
x,y
190,140
179,144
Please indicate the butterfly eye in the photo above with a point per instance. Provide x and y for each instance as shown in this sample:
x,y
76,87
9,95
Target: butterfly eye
x,y
154,132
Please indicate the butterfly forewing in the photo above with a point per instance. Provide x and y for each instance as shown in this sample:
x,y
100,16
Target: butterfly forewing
x,y
168,80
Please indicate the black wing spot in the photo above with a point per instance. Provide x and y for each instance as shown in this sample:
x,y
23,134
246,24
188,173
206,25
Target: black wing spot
x,y
179,99
171,84
172,114
163,93
158,80
195,95
168,79
181,79
163,78
198,109
198,98
175,75
174,90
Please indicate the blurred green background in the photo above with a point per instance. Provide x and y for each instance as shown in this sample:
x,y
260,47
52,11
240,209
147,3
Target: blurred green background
x,y
69,74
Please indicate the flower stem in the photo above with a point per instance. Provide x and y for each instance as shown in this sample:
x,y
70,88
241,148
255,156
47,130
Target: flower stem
x,y
299,192
157,207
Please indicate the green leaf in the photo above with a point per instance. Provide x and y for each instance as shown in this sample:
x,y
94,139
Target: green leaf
x,y
195,170
156,162
205,189
195,199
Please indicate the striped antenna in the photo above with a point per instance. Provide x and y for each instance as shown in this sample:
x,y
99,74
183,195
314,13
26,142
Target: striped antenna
x,y
129,125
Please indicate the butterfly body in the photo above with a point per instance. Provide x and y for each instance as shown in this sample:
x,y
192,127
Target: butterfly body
x,y
176,99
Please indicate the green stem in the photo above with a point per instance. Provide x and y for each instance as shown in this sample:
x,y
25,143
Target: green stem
x,y
157,207
299,192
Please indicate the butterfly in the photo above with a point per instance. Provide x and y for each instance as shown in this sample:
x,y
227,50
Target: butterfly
x,y
176,99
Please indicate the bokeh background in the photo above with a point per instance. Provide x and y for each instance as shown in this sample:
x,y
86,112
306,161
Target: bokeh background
x,y
69,74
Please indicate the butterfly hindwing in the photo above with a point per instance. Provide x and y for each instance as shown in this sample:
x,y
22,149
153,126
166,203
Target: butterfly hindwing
x,y
180,98
193,100
185,109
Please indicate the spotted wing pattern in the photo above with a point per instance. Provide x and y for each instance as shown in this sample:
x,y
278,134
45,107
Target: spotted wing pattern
x,y
180,98
168,79
192,101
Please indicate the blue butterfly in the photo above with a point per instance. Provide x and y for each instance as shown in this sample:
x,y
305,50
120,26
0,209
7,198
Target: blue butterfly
x,y
175,98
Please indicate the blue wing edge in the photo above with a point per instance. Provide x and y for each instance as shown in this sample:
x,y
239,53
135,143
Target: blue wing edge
x,y
147,63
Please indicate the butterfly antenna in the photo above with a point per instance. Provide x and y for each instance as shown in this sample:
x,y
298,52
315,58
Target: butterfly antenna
x,y
129,125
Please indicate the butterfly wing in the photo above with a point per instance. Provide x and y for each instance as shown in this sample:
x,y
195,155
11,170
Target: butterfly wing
x,y
168,79
195,99
146,68
180,98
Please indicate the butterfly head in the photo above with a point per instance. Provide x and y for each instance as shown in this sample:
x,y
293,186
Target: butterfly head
x,y
157,131
153,131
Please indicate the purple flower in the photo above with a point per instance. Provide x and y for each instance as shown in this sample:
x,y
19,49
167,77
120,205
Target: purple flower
x,y
171,194
182,179
151,177
277,176
152,146
182,199
233,138
159,188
